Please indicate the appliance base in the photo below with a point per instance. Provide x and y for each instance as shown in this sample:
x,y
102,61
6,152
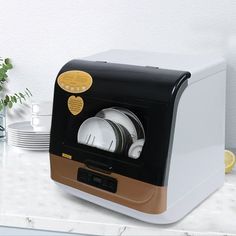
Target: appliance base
x,y
174,213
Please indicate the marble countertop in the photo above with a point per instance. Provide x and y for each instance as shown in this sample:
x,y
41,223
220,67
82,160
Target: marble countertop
x,y
30,199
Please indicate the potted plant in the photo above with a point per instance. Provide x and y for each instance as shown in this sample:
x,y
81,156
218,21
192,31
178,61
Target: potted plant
x,y
7,101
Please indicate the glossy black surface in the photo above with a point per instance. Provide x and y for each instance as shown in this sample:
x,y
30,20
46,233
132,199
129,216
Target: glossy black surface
x,y
148,92
97,180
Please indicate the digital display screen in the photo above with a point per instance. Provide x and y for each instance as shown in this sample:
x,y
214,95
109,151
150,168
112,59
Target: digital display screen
x,y
99,181
96,179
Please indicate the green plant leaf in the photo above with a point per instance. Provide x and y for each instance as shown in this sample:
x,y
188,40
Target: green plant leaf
x,y
7,61
9,66
10,104
7,99
10,100
22,96
29,92
4,68
18,97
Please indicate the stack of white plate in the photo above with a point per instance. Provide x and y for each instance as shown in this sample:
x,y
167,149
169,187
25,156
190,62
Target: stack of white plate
x,y
23,135
114,129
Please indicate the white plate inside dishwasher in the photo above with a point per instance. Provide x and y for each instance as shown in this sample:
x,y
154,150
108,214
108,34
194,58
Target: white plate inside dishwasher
x,y
120,118
99,133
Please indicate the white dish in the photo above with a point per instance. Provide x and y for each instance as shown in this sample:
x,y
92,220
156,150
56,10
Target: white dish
x,y
32,148
136,149
41,123
29,135
28,141
22,135
23,146
24,127
10,132
138,124
27,145
120,118
99,133
42,128
17,136
35,133
29,132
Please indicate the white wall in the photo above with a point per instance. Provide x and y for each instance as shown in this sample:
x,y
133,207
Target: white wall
x,y
40,36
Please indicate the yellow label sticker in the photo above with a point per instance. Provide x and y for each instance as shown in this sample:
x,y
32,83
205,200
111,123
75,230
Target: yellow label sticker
x,y
75,81
75,105
67,156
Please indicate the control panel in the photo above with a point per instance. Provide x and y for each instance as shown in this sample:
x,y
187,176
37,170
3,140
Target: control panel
x,y
97,180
